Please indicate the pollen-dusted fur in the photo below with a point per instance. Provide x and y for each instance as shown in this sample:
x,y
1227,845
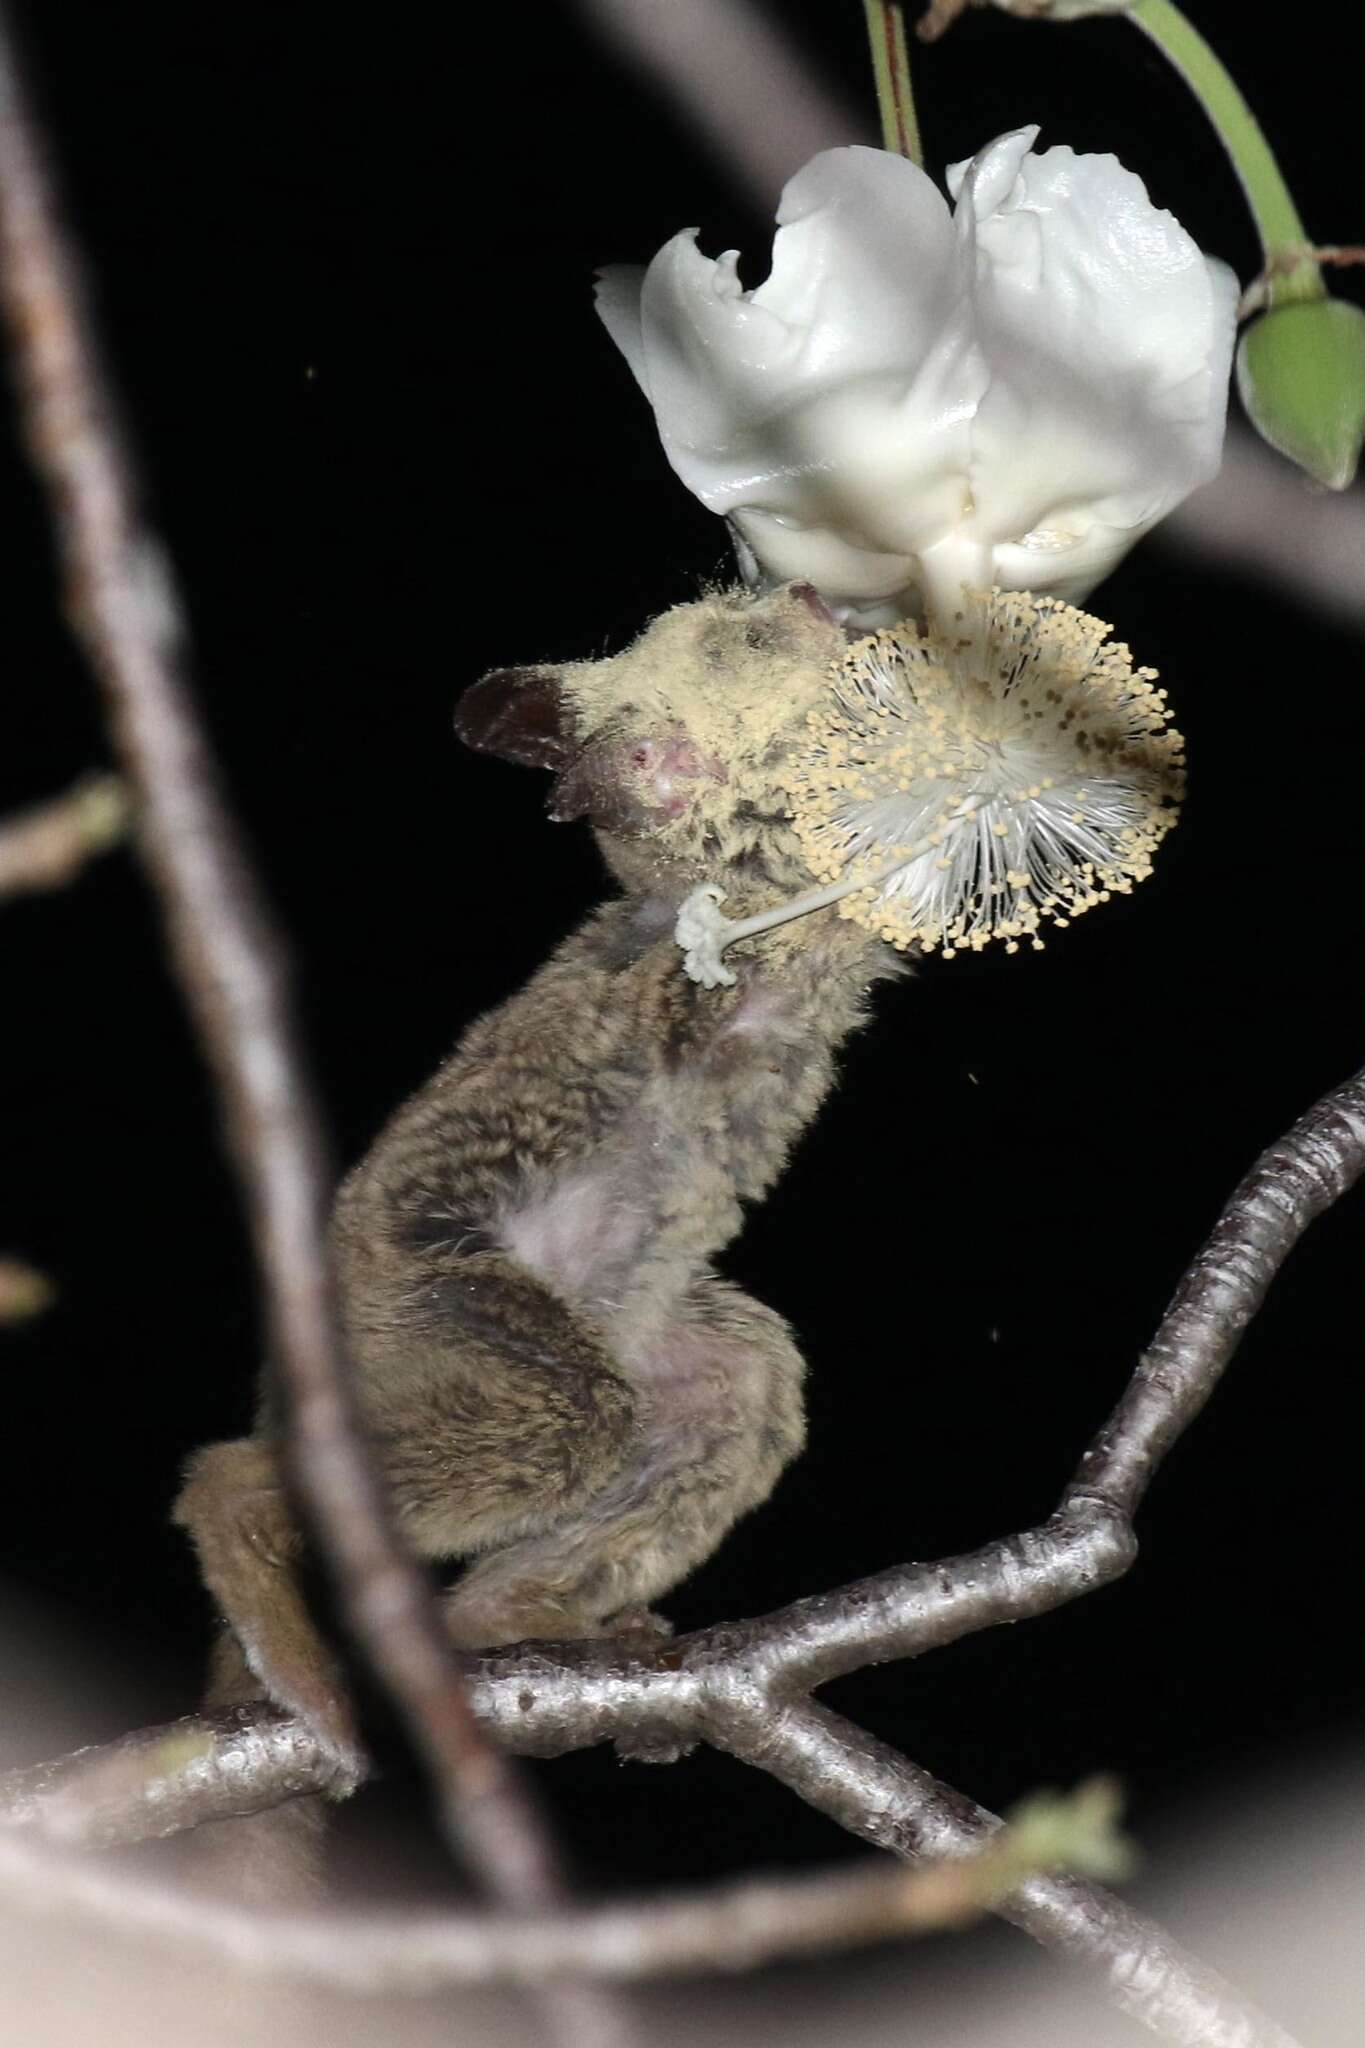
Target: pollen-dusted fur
x,y
560,1388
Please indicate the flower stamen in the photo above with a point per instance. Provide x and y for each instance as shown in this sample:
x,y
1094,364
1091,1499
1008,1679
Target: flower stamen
x,y
1073,776
1064,751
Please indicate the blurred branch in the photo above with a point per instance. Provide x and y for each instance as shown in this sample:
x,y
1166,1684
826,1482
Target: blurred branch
x,y
735,75
1260,518
726,1927
939,17
126,612
47,846
24,1292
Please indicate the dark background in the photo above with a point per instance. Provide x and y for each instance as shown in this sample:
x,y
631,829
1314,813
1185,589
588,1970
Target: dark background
x,y
343,264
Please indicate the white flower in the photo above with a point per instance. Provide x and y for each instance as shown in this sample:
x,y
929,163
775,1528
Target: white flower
x,y
916,400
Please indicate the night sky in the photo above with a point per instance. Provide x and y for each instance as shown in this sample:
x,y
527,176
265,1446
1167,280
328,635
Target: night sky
x,y
343,266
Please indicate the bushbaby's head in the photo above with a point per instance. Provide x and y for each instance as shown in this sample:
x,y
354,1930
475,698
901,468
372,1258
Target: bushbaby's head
x,y
674,749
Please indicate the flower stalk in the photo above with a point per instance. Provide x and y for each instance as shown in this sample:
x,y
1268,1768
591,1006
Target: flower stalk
x,y
1291,271
891,70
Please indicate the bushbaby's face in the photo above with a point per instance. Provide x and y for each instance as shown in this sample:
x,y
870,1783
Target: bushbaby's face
x,y
672,748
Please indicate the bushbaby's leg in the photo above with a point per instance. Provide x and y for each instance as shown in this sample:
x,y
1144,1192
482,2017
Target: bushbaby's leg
x,y
493,1409
234,1506
720,1415
494,1405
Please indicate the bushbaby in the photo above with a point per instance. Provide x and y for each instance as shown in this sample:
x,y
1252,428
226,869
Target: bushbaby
x,y
561,1391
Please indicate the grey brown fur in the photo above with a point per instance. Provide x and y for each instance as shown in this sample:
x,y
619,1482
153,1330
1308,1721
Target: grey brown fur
x,y
560,1388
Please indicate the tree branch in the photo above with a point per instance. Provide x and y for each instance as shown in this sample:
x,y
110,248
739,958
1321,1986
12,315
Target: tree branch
x,y
159,1781
1291,1184
1262,519
883,1798
126,612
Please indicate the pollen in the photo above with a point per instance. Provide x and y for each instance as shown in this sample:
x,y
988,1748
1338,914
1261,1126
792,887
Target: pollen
x,y
1026,769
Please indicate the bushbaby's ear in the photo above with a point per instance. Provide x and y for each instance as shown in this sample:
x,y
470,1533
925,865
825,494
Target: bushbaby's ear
x,y
519,714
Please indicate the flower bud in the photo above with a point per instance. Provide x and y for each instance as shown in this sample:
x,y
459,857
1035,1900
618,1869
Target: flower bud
x,y
1301,375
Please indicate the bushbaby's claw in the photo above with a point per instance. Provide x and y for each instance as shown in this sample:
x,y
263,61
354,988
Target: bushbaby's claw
x,y
638,1624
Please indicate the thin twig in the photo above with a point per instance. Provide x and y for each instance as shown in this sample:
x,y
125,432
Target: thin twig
x,y
46,847
24,1291
731,1926
891,70
125,610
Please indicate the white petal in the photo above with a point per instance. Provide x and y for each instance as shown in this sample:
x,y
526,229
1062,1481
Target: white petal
x,y
908,402
990,175
863,263
1109,336
839,390
864,587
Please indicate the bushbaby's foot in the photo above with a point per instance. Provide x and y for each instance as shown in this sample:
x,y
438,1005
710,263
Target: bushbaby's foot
x,y
249,1553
